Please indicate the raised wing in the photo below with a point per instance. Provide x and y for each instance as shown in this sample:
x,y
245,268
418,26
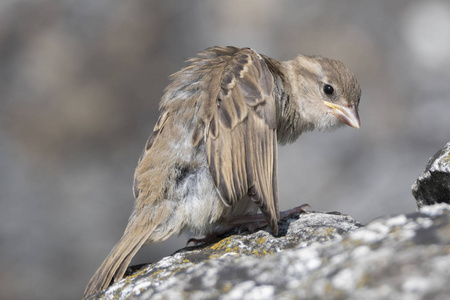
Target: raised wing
x,y
241,138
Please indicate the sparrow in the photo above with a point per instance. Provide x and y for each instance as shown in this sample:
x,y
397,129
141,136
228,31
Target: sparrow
x,y
212,156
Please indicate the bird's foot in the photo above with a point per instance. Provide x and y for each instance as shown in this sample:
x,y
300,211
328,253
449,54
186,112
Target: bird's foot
x,y
204,240
295,210
212,236
257,221
249,223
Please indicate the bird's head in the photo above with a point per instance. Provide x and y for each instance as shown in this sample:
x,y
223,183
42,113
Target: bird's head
x,y
326,93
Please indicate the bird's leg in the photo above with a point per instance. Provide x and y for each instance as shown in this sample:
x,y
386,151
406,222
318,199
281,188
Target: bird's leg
x,y
249,222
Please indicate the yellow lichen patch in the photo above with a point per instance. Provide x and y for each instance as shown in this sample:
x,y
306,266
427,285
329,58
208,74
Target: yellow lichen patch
x,y
328,288
221,245
156,273
447,159
226,287
330,230
129,280
224,246
185,261
261,253
134,275
261,240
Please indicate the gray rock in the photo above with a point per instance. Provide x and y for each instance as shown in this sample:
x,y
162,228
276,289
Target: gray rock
x,y
317,256
433,185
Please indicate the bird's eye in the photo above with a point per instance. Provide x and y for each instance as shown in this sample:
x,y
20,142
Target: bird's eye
x,y
328,89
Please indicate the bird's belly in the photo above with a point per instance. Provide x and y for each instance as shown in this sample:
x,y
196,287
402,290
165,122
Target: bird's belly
x,y
200,205
202,209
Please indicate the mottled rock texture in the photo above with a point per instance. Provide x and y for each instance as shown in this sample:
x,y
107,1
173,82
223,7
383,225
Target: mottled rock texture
x,y
315,256
433,185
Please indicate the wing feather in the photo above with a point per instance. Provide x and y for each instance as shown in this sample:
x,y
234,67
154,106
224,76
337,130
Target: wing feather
x,y
241,140
153,136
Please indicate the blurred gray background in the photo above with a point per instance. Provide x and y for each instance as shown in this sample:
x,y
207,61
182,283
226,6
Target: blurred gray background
x,y
80,83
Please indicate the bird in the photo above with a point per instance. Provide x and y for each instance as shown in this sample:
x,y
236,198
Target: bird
x,y
212,156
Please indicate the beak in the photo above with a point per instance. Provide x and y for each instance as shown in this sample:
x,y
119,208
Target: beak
x,y
346,114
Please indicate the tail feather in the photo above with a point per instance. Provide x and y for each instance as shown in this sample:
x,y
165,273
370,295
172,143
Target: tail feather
x,y
114,266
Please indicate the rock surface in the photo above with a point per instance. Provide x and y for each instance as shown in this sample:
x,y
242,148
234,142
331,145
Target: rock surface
x,y
433,185
316,256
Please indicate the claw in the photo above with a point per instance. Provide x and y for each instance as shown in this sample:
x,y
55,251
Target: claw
x,y
295,210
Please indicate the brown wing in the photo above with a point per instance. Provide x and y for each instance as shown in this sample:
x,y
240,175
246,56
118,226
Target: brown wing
x,y
241,139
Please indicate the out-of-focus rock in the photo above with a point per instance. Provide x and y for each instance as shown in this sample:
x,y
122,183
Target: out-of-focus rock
x,y
433,185
318,256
